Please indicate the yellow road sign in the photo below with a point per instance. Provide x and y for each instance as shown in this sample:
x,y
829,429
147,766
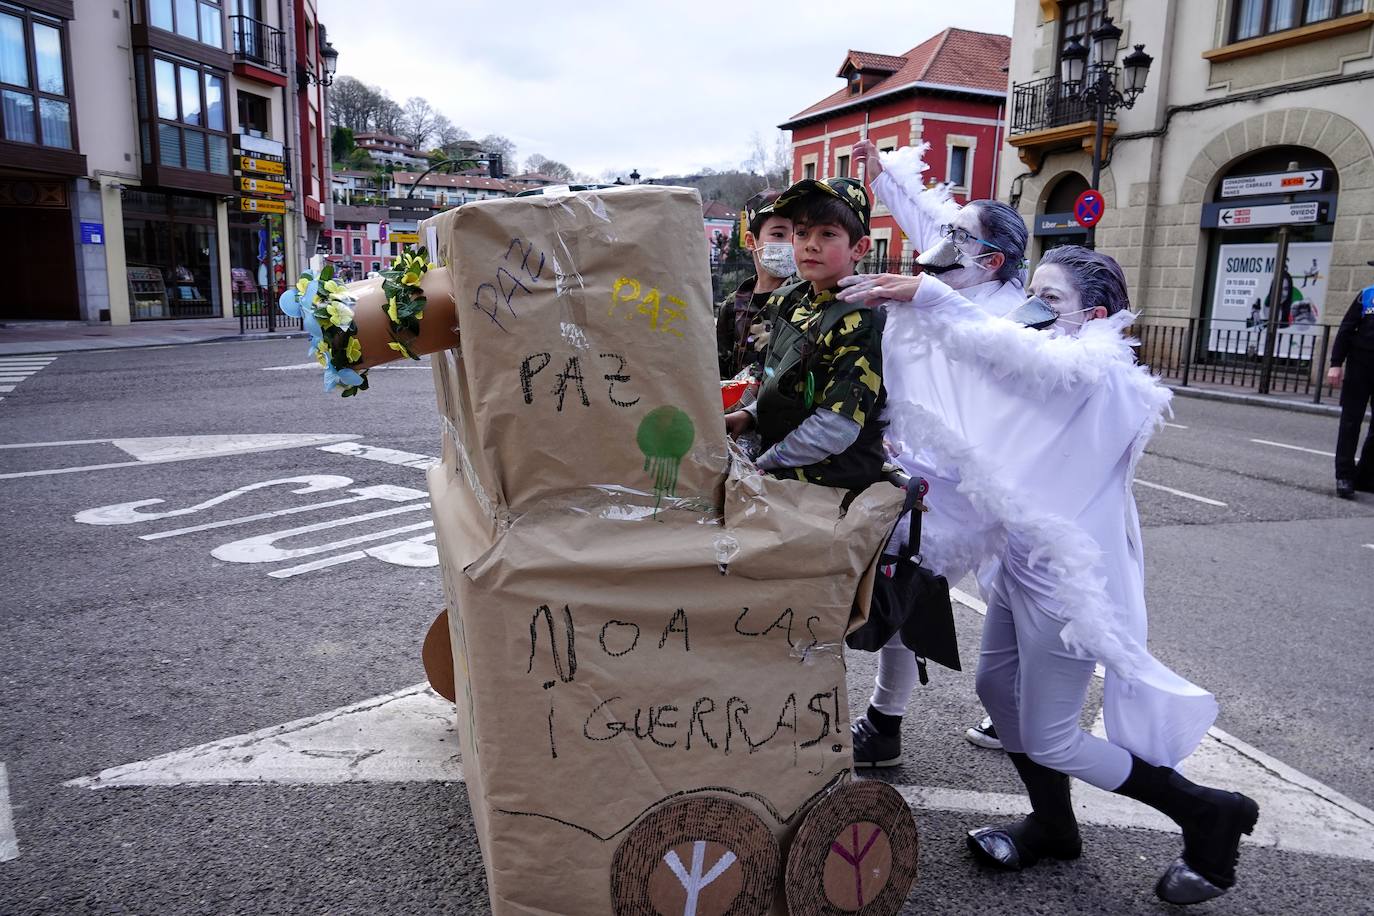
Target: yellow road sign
x,y
261,205
261,186
405,238
264,166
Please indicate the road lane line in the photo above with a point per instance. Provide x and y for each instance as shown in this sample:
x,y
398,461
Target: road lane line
x,y
9,842
310,365
171,453
1295,448
973,604
56,444
384,455
1175,425
1183,493
263,516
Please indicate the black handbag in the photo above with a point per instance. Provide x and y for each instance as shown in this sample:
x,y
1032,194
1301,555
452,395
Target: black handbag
x,y
910,599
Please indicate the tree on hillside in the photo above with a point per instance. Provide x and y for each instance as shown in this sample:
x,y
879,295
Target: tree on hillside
x,y
352,103
551,167
417,121
341,143
448,136
495,143
389,116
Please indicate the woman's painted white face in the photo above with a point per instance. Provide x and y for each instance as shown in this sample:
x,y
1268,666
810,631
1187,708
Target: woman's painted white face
x,y
1055,287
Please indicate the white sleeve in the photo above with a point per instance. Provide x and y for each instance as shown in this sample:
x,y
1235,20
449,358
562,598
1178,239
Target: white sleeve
x,y
919,211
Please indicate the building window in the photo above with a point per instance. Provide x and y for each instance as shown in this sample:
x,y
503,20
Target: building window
x,y
198,20
188,112
809,170
957,174
35,93
338,244
880,255
1254,18
253,114
357,245
842,166
1078,18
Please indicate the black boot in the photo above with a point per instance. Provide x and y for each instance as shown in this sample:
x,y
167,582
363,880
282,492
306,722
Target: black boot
x,y
1212,822
1049,831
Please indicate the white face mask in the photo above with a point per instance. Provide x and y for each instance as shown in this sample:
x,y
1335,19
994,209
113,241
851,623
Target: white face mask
x,y
777,258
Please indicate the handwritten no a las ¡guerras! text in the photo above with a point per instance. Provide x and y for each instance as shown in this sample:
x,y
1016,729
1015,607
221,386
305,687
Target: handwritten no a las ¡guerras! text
x,y
723,724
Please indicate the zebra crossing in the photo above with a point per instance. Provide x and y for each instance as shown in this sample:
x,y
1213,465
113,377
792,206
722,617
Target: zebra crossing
x,y
15,369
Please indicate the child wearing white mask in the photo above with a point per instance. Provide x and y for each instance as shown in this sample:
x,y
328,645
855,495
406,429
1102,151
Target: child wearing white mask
x,y
742,321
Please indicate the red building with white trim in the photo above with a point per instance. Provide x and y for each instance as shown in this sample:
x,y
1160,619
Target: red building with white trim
x,y
949,91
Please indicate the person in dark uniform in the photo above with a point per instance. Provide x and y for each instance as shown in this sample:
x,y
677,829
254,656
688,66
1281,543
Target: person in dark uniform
x,y
1352,370
741,323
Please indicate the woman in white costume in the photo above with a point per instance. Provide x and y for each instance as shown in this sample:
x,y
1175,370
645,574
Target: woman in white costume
x,y
1029,442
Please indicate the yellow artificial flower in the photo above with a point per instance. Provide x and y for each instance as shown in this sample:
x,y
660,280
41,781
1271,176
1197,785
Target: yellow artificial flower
x,y
412,278
321,349
333,287
354,350
340,315
391,310
400,348
302,285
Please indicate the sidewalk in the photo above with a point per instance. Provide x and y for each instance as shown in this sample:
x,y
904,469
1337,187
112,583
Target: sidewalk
x,y
25,337
1297,403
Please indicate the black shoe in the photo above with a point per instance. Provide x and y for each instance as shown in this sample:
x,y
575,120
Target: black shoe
x,y
1013,847
984,735
1345,489
1050,831
1212,821
873,749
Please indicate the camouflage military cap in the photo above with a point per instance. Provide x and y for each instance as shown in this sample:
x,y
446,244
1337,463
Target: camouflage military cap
x,y
758,208
848,190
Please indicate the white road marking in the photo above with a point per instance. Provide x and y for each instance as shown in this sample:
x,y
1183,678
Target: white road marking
x,y
1183,493
55,444
262,548
1295,448
1370,546
384,455
382,491
310,365
6,387
131,513
414,552
406,736
9,841
968,601
1175,425
186,448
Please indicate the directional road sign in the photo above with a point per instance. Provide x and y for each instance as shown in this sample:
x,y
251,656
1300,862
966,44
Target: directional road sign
x,y
1307,211
1088,208
1275,183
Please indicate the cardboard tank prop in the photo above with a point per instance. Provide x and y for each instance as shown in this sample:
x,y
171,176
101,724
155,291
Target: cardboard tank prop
x,y
646,632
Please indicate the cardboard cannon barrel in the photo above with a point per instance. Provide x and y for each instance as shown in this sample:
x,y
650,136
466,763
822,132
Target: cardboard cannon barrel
x,y
647,634
438,329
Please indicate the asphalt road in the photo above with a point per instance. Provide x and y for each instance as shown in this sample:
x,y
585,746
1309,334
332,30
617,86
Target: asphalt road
x,y
116,648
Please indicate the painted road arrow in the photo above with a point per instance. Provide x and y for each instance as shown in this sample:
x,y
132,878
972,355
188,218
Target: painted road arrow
x,y
164,449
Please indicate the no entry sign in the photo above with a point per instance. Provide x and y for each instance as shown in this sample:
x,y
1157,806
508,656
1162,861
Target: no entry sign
x,y
1088,208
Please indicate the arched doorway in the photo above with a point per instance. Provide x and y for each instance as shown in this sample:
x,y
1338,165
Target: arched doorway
x,y
1054,223
1250,203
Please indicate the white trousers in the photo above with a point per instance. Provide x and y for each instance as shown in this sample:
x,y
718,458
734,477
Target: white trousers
x,y
1034,690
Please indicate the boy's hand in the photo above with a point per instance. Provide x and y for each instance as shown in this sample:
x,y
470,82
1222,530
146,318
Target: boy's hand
x,y
738,423
873,287
1334,376
865,152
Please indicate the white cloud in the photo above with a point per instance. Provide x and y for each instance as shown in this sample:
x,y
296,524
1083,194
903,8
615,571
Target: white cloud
x,y
664,87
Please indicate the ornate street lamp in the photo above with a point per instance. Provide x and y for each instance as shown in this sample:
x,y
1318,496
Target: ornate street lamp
x,y
330,56
1095,84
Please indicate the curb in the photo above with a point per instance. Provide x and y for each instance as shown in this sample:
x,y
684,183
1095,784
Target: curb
x,y
56,346
1255,400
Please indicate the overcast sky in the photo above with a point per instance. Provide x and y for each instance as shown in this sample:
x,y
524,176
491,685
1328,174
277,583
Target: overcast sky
x,y
664,86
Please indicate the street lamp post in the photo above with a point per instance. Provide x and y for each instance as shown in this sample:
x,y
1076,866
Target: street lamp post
x,y
1094,82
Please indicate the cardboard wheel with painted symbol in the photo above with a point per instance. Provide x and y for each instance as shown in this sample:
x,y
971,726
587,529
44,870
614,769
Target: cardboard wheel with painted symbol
x,y
437,656
705,855
855,852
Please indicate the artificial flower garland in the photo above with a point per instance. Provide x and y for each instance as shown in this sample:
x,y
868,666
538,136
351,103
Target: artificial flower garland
x,y
326,311
405,299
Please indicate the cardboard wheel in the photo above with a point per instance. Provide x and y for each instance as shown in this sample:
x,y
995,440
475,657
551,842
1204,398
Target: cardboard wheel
x,y
437,655
703,855
855,852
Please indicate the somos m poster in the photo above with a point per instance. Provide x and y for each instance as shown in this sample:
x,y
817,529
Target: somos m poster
x,y
1240,299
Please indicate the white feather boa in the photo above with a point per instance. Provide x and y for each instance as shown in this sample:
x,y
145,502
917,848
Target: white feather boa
x,y
906,167
1039,365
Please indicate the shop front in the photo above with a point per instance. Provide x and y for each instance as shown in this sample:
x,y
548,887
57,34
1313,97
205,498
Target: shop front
x,y
1255,199
1054,222
172,252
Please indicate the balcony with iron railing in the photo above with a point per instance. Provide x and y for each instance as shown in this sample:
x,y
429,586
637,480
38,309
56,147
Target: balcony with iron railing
x,y
257,43
1045,115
